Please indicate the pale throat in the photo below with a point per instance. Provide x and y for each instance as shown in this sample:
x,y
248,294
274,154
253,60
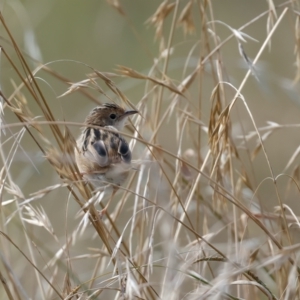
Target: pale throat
x,y
119,125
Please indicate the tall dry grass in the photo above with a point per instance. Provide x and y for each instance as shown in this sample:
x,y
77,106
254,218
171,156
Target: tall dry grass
x,y
191,221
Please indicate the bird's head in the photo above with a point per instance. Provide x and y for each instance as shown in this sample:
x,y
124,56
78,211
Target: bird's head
x,y
109,114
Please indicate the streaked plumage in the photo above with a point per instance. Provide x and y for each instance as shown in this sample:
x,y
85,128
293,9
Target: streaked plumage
x,y
102,154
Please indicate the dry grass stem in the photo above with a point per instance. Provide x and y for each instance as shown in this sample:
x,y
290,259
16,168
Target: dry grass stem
x,y
210,206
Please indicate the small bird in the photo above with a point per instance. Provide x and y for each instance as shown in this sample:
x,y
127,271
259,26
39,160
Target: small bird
x,y
102,155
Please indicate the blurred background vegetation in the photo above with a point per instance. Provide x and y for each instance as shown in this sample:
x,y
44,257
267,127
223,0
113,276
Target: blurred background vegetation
x,y
68,35
73,37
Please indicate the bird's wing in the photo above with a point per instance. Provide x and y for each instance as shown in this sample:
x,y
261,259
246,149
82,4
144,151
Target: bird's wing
x,y
124,151
98,153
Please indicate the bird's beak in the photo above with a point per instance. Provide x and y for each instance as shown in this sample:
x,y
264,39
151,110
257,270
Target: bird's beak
x,y
128,113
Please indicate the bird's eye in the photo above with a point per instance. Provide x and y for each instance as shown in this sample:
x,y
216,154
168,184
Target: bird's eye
x,y
112,116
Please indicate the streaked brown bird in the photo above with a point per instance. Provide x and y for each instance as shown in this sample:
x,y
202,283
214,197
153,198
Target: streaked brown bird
x,y
102,155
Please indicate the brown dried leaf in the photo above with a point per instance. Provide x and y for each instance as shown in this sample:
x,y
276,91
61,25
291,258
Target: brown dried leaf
x,y
186,19
157,19
218,119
